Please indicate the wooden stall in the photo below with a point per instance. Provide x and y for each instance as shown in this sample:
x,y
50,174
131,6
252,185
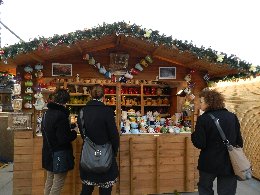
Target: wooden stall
x,y
155,162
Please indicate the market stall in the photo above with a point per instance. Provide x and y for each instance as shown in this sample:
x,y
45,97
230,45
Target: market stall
x,y
151,82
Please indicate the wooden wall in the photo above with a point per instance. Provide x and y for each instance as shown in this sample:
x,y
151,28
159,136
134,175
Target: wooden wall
x,y
148,164
23,162
156,164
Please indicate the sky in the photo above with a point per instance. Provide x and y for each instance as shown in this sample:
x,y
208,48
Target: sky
x,y
229,26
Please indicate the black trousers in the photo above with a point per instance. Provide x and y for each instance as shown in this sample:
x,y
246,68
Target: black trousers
x,y
226,185
87,190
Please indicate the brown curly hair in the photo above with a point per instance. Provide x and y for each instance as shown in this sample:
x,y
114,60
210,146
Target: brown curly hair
x,y
214,99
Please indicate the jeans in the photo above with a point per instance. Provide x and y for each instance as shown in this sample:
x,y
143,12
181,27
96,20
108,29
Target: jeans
x,y
226,185
54,183
87,190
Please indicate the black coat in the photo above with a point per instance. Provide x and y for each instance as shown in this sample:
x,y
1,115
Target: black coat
x,y
57,127
100,128
214,156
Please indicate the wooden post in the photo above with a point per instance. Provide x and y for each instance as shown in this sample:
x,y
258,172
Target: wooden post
x,y
131,166
74,144
142,99
158,164
188,165
23,162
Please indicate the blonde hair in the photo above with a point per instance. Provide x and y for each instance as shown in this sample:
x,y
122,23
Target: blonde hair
x,y
97,92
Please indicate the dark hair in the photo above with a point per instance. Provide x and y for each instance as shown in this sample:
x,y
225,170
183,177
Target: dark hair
x,y
214,99
61,96
97,91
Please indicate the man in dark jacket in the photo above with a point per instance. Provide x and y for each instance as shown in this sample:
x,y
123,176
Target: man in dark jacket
x,y
100,126
214,161
57,136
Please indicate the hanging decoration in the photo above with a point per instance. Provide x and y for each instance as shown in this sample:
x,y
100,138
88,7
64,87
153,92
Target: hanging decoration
x,y
135,31
129,73
187,92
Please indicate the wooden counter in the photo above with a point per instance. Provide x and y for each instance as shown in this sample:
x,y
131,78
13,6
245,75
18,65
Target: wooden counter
x,y
148,164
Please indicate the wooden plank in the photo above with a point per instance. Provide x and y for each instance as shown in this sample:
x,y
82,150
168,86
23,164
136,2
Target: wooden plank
x,y
23,166
22,183
22,190
23,150
22,174
23,142
23,135
22,158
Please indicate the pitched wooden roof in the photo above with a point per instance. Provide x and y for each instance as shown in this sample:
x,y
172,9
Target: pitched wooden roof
x,y
173,51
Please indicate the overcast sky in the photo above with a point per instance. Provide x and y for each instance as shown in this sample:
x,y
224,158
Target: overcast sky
x,y
229,26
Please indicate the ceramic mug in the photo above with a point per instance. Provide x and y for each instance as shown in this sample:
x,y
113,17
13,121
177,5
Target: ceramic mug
x,y
139,67
128,75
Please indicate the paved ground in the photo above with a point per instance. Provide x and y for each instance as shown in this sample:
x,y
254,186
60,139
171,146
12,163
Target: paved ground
x,y
251,187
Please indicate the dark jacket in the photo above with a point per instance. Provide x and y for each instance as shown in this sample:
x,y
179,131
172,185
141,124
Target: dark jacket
x,y
214,156
100,128
57,127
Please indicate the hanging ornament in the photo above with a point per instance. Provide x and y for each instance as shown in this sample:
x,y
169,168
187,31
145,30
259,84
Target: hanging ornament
x,y
108,74
181,93
38,67
139,67
128,75
191,84
92,61
148,59
86,56
122,79
134,71
206,77
102,70
187,78
28,68
144,63
28,76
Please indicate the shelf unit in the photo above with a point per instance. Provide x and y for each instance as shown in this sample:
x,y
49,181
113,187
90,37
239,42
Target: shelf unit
x,y
126,96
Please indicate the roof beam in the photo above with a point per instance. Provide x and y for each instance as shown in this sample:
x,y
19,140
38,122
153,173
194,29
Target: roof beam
x,y
100,47
168,60
35,57
79,47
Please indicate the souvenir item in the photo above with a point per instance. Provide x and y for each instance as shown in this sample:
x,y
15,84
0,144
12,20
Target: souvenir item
x,y
148,59
139,67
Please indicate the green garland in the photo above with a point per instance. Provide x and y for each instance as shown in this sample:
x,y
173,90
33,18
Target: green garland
x,y
134,31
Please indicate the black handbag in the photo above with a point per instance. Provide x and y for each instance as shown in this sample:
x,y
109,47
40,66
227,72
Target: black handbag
x,y
95,158
63,160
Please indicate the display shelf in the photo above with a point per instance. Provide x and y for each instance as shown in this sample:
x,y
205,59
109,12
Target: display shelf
x,y
161,105
79,94
130,94
156,95
75,104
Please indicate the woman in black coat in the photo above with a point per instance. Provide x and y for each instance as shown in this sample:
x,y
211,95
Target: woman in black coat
x,y
100,126
56,127
214,161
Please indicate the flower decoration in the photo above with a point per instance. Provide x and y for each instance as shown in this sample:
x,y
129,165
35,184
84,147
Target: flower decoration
x,y
220,58
148,33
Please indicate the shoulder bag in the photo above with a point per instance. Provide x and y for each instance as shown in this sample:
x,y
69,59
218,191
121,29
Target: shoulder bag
x,y
241,165
95,158
63,160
